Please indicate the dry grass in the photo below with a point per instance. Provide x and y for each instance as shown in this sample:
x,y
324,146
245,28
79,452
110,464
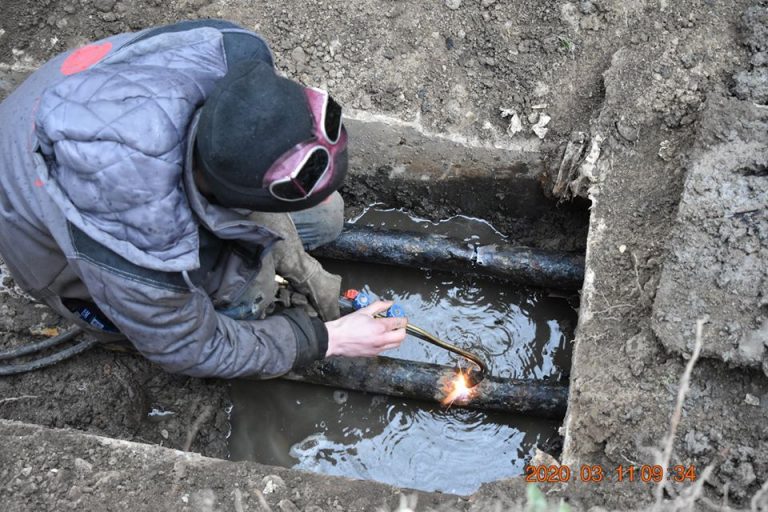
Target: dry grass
x,y
677,413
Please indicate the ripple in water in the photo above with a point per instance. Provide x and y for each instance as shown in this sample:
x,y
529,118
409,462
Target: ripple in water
x,y
421,449
521,333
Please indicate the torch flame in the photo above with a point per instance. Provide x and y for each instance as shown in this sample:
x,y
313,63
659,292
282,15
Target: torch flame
x,y
457,389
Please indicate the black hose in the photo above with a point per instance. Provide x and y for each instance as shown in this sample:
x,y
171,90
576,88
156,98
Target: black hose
x,y
42,362
31,348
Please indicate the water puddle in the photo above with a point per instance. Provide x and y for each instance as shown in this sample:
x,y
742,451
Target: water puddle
x,y
521,333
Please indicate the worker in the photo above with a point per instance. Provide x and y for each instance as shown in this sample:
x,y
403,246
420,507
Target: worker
x,y
154,184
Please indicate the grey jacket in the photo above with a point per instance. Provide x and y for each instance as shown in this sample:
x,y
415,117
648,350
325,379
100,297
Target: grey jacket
x,y
98,203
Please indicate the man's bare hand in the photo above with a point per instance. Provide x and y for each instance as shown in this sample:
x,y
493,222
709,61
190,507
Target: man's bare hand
x,y
360,334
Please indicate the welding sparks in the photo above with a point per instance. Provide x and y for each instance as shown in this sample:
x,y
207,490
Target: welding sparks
x,y
457,390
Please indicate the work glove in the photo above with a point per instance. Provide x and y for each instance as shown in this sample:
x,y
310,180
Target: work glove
x,y
302,271
257,300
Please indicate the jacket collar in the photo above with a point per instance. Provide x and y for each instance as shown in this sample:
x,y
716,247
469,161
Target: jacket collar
x,y
224,223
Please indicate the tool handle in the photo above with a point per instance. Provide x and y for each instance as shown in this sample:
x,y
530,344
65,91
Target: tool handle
x,y
359,300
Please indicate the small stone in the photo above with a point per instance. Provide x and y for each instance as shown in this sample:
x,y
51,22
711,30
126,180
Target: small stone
x,y
533,117
586,7
745,474
453,4
590,23
298,55
164,434
74,493
333,48
83,466
697,443
487,3
627,131
622,248
542,458
638,349
541,89
26,471
287,506
759,59
688,59
540,128
515,125
104,5
204,499
666,151
272,483
752,400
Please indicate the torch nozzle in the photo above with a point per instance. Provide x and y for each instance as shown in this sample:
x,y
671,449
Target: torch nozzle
x,y
474,377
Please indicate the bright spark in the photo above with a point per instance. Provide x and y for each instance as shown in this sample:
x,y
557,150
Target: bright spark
x,y
457,389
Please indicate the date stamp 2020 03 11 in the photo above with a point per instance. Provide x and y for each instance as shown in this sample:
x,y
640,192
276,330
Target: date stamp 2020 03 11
x,y
596,473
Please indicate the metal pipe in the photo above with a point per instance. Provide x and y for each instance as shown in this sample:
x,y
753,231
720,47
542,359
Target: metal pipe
x,y
523,265
427,381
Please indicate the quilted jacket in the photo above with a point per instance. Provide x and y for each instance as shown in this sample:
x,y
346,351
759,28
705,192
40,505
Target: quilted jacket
x,y
98,203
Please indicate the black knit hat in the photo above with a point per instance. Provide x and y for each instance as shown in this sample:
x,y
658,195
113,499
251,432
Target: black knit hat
x,y
252,118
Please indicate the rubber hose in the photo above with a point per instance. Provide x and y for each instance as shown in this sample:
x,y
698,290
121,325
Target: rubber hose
x,y
15,369
31,348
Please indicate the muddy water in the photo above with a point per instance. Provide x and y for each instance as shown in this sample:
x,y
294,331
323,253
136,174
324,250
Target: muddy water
x,y
521,333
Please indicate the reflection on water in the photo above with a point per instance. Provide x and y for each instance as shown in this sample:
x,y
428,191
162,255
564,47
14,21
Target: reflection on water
x,y
391,440
521,333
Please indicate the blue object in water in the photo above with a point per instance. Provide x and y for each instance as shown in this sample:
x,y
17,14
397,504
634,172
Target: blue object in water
x,y
395,311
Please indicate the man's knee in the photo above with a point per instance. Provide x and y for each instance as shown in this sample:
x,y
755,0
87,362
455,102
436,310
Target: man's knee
x,y
320,224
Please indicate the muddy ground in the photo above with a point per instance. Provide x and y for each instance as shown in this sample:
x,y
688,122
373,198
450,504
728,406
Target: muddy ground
x,y
664,87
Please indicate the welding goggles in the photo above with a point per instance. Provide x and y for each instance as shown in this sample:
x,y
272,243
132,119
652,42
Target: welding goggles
x,y
310,166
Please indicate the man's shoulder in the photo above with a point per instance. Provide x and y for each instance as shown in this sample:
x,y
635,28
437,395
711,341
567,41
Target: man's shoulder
x,y
239,43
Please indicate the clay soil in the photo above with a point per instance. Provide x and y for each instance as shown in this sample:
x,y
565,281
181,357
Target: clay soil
x,y
655,82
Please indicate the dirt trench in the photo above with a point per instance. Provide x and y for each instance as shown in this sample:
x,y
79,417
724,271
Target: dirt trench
x,y
657,89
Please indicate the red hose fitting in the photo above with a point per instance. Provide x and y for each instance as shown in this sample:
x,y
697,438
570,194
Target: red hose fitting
x,y
351,294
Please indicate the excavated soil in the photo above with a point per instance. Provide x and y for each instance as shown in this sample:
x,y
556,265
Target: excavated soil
x,y
652,86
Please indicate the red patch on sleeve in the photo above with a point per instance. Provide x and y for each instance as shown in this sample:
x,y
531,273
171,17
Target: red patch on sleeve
x,y
85,57
39,182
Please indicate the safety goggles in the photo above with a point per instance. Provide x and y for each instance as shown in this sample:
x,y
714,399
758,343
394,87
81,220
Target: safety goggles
x,y
309,165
